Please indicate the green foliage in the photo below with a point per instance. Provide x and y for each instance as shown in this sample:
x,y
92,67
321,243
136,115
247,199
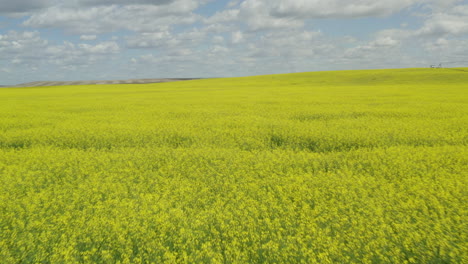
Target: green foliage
x,y
330,167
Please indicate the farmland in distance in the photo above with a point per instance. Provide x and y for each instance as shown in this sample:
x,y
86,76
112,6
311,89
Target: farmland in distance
x,y
323,167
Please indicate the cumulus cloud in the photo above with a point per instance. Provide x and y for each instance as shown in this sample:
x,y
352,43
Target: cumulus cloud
x,y
380,46
440,5
21,44
21,6
243,38
278,14
152,40
30,47
237,37
111,18
124,2
218,39
285,44
166,40
29,57
233,3
453,21
257,15
100,48
273,14
335,8
441,38
88,37
450,52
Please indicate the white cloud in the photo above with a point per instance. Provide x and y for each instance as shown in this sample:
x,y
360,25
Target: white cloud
x,y
5,70
246,37
22,6
219,49
379,47
151,40
21,44
28,47
233,3
237,37
451,52
218,39
257,15
123,2
166,40
111,18
30,57
289,45
274,14
101,48
335,8
278,14
442,38
279,51
453,21
225,16
442,4
88,37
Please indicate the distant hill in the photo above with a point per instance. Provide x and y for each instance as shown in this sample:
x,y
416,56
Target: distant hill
x,y
129,81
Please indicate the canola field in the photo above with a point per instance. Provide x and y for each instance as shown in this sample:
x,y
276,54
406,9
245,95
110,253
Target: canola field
x,y
323,167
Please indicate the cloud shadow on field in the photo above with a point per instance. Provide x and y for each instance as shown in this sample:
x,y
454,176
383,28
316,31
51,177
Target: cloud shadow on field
x,y
352,115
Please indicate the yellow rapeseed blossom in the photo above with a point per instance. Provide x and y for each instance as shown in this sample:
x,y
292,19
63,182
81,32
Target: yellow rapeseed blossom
x,y
329,167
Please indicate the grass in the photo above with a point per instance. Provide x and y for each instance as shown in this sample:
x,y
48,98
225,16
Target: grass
x,y
324,167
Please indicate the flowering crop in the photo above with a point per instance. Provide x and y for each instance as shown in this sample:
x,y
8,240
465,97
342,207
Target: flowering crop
x,y
331,167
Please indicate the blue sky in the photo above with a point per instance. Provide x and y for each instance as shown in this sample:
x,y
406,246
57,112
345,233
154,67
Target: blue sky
x,y
121,39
